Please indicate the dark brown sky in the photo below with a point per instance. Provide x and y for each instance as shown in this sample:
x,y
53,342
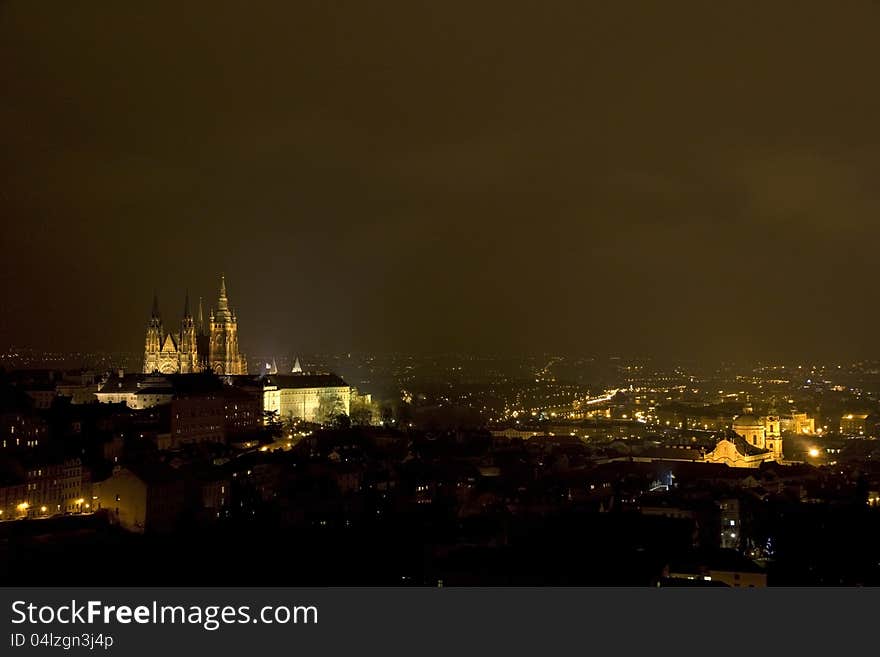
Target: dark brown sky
x,y
654,177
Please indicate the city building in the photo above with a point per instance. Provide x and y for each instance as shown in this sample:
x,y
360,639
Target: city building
x,y
309,397
731,523
20,427
726,567
854,424
145,498
79,386
19,431
798,423
215,416
40,488
212,492
38,384
137,391
197,347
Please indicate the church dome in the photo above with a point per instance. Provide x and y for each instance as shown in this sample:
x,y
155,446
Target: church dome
x,y
748,421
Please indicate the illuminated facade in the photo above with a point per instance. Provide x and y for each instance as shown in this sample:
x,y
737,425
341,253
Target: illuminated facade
x,y
309,397
45,489
736,452
764,432
798,423
195,348
854,424
135,390
223,354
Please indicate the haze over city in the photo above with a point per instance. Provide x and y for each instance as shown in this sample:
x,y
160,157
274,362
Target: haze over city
x,y
673,180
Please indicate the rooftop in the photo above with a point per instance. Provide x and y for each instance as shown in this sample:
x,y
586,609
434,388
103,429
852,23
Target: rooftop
x,y
288,381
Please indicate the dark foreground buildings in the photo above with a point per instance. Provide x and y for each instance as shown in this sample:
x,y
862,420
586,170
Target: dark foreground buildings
x,y
204,471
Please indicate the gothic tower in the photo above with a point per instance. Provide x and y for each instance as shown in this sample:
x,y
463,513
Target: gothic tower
x,y
203,340
188,347
153,343
223,354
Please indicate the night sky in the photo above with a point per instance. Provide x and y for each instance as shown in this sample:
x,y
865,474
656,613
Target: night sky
x,y
657,178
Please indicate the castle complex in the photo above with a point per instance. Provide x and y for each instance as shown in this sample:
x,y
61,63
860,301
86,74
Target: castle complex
x,y
197,347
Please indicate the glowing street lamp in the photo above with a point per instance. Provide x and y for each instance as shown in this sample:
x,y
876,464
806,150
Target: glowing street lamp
x,y
813,452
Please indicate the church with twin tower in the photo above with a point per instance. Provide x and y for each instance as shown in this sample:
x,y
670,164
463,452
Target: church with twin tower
x,y
198,347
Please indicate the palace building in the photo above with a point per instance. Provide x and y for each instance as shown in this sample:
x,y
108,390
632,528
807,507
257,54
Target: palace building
x,y
198,346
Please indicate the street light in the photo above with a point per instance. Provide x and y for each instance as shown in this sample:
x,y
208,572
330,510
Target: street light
x,y
813,452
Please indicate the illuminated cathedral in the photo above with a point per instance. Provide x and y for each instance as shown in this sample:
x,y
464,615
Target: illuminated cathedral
x,y
197,347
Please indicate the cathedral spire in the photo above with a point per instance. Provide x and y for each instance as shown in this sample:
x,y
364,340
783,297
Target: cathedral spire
x,y
223,301
153,342
223,354
223,314
201,326
186,314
